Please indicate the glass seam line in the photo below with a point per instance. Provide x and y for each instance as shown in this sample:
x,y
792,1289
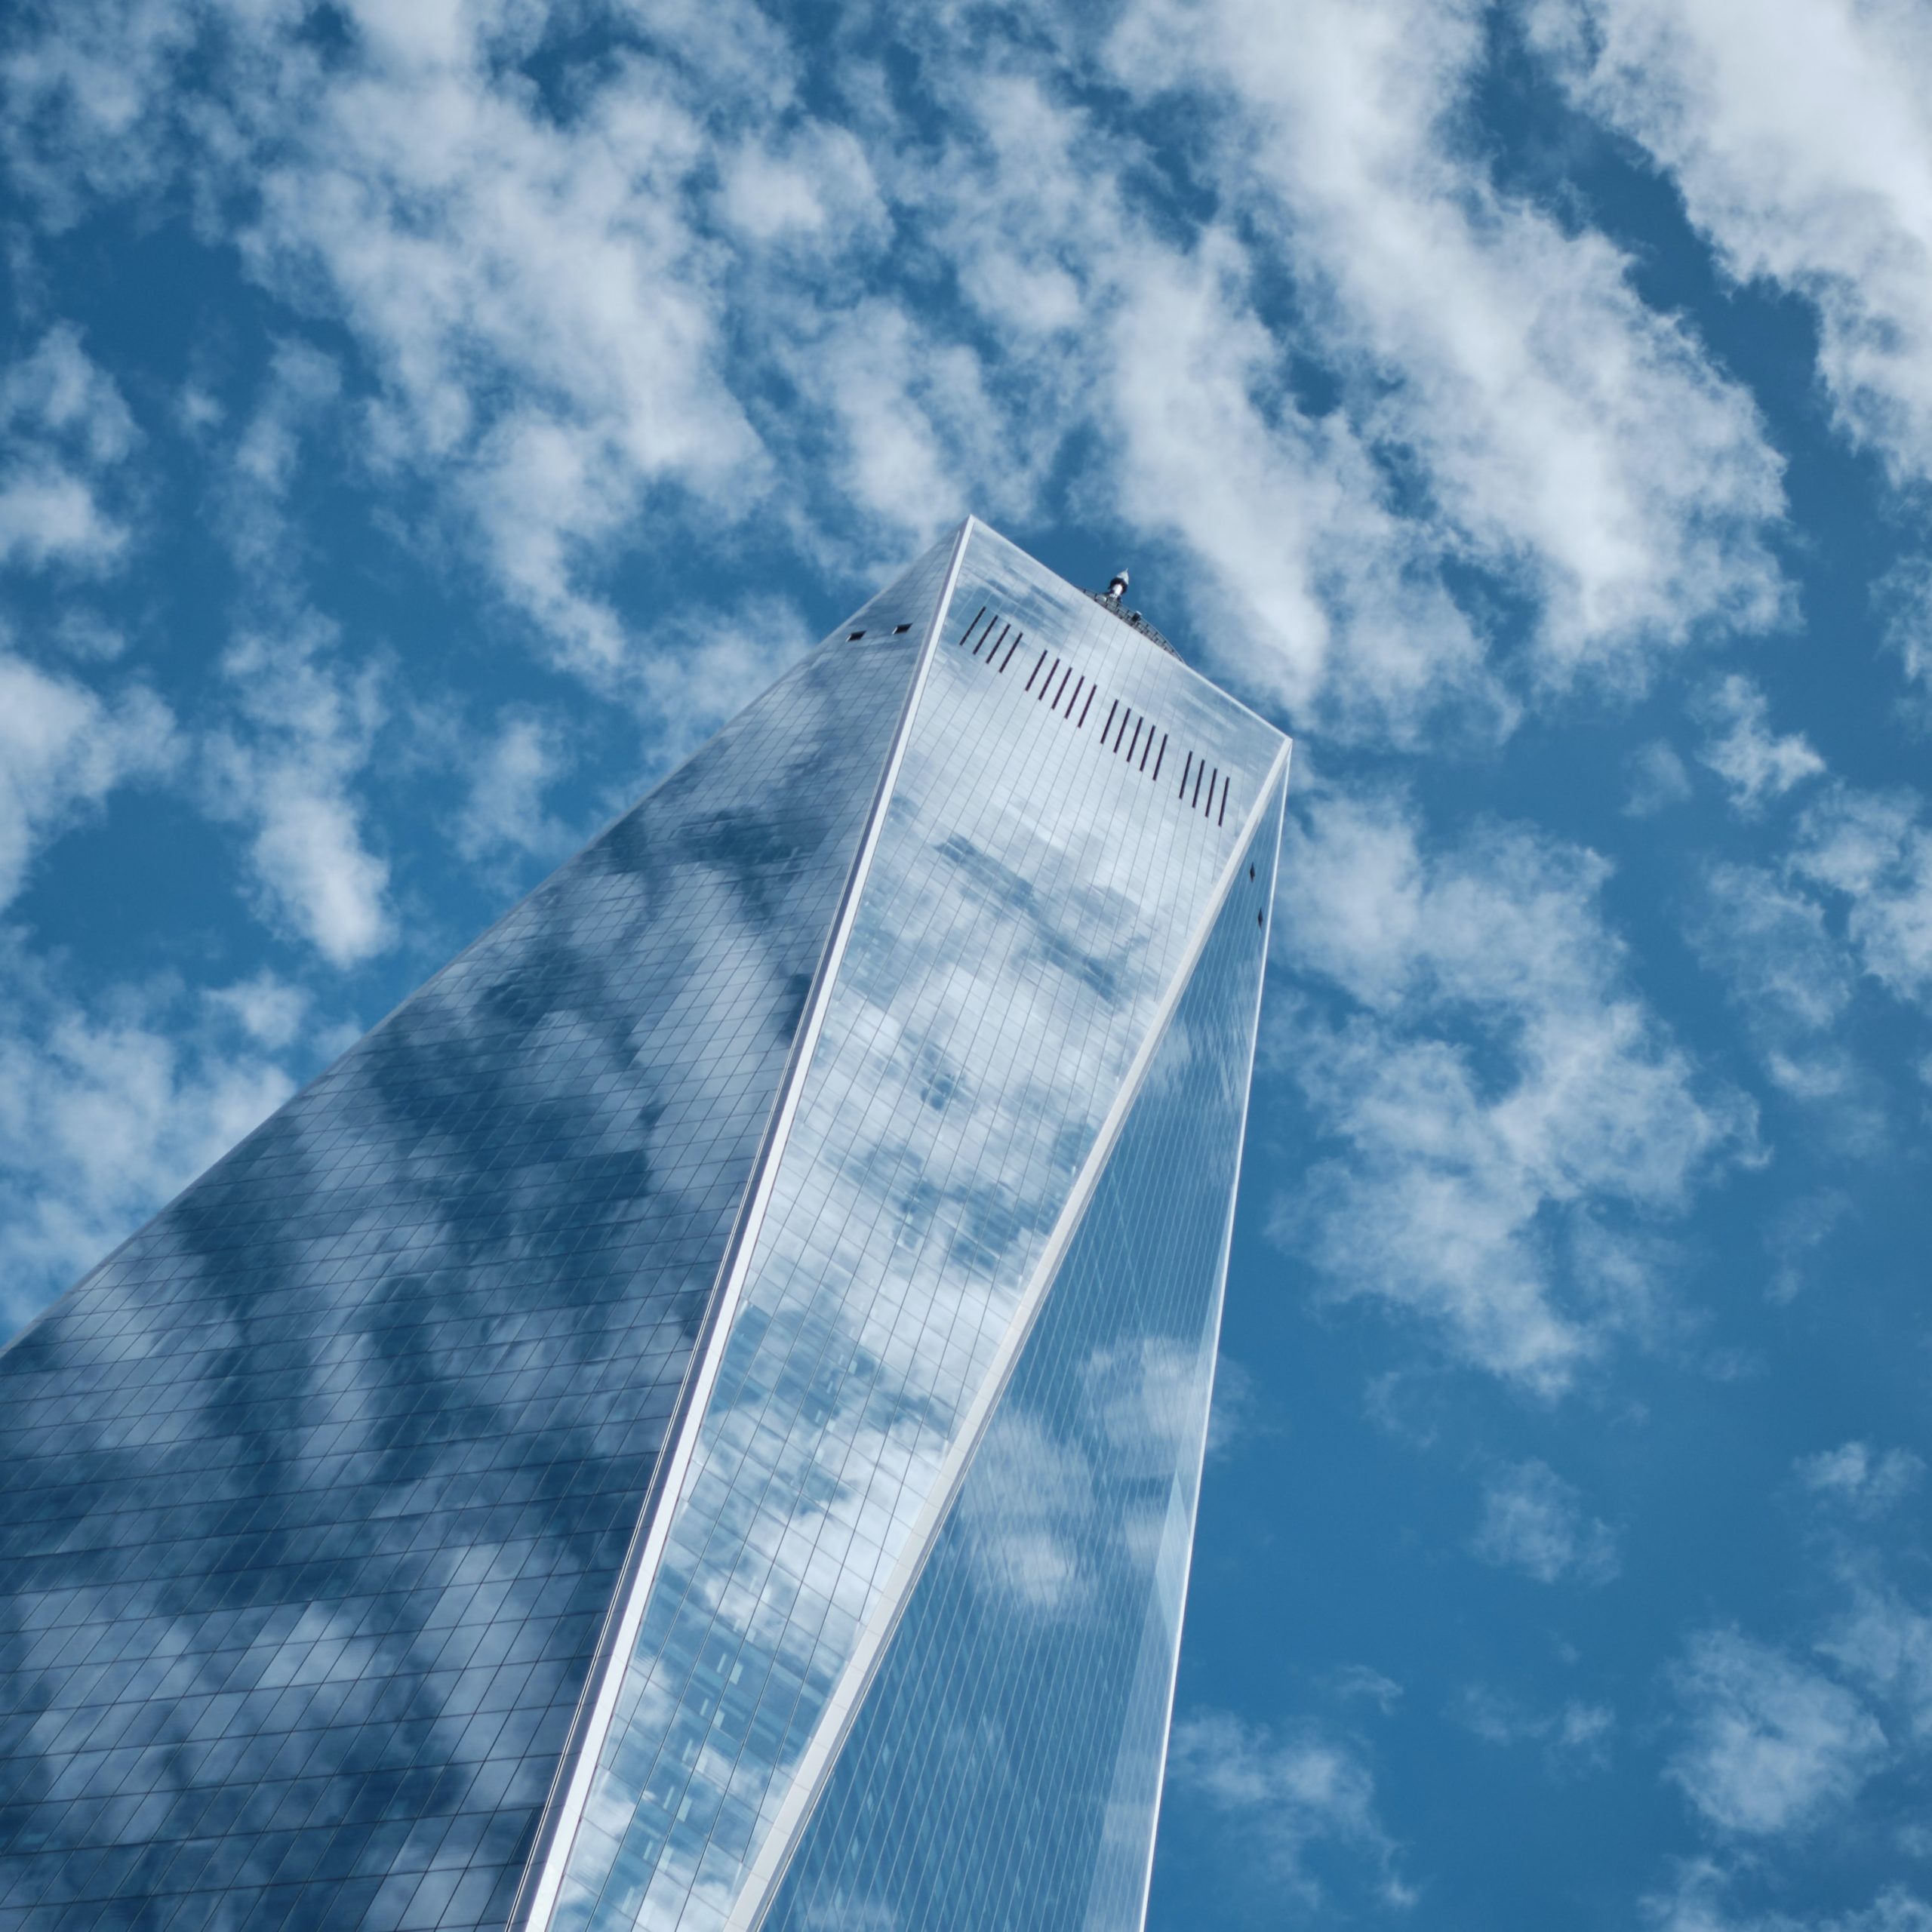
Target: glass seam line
x,y
808,1780
542,1881
1214,1346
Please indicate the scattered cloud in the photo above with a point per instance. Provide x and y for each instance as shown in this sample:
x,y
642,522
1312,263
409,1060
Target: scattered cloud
x,y
306,726
1798,138
1359,1681
1698,1901
1574,1736
505,810
63,430
1874,851
1573,439
1770,1744
1532,1521
106,1110
1511,1120
1854,1477
1658,780
1296,1794
1884,1644
63,749
1788,973
1755,764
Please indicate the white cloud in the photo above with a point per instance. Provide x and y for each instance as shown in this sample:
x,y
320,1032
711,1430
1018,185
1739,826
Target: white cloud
x,y
63,430
1853,1476
1884,1644
1696,1902
1574,1736
302,387
1512,1118
1293,1794
1755,764
305,728
1569,437
1658,780
1798,135
270,1010
106,1111
62,750
1533,1520
665,295
1792,976
1875,850
1770,1745
505,810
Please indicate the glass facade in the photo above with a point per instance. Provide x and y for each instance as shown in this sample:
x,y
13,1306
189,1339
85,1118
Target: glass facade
x,y
1005,1765
723,1367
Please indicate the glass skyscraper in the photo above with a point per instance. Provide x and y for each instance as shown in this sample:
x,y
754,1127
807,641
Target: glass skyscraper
x,y
695,1421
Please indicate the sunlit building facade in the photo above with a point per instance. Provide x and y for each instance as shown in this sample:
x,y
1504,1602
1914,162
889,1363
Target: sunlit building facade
x,y
695,1421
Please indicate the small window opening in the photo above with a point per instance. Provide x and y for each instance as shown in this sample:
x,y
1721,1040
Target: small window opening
x,y
899,630
852,637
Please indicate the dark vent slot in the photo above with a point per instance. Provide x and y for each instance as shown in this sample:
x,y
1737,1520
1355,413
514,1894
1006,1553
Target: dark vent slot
x,y
989,632
1035,671
899,630
1046,683
852,637
1120,737
1063,676
1113,705
1200,772
1146,748
1074,698
1223,818
1135,745
1186,772
1010,650
1092,691
1160,754
972,627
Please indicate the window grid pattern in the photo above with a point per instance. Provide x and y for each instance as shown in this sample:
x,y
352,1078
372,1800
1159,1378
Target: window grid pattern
x,y
1027,908
1005,1767
314,1494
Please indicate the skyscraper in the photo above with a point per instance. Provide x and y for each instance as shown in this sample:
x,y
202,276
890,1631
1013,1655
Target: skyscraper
x,y
694,1422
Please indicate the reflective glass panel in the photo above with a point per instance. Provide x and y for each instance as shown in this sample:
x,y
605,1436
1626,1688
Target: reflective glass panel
x,y
1069,798
1004,1770
314,1494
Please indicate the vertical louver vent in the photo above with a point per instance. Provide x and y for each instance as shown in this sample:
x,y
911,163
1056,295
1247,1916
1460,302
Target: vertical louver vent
x,y
1129,735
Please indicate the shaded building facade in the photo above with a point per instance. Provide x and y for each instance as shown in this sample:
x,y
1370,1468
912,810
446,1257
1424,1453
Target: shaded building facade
x,y
695,1421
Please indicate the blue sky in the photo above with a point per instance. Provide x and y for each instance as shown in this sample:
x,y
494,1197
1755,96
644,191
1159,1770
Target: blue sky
x,y
419,428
